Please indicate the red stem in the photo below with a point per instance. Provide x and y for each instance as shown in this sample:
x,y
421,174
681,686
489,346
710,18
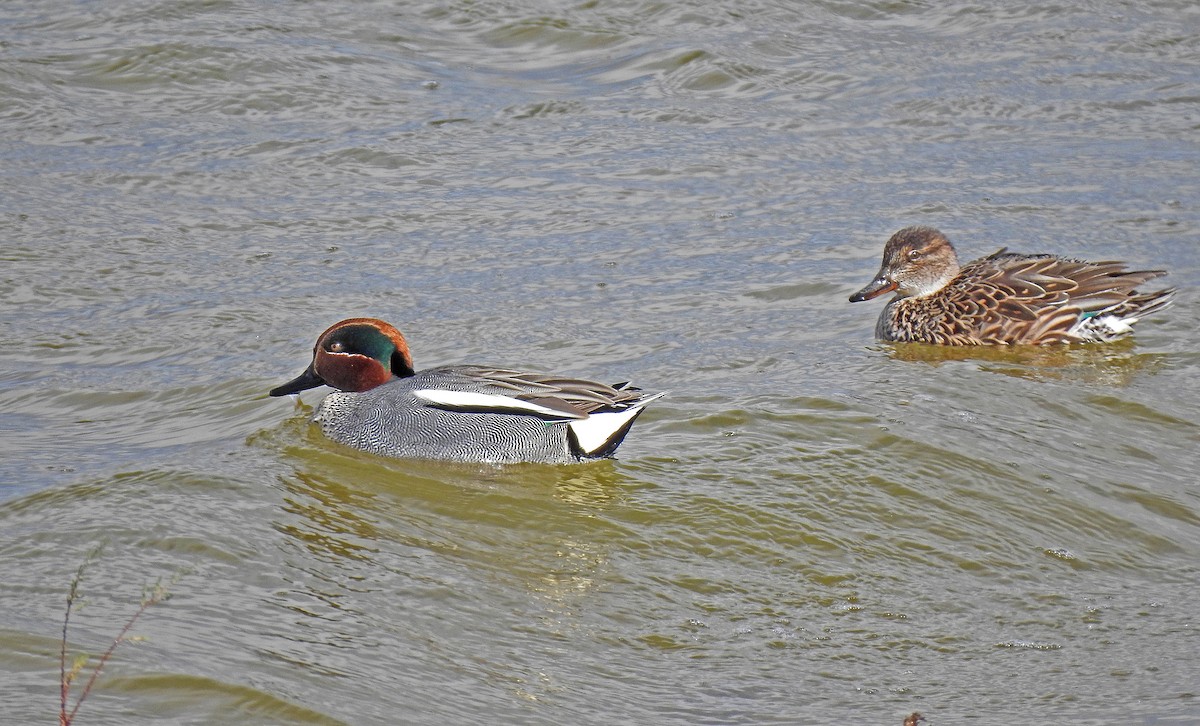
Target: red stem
x,y
104,659
63,720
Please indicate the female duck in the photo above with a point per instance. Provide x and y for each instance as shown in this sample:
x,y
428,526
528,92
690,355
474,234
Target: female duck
x,y
458,413
1004,298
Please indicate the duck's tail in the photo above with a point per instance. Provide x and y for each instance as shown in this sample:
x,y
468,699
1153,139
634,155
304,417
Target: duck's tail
x,y
599,435
1116,321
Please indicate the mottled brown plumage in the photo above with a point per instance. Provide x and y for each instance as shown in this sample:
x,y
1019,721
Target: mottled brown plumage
x,y
1004,298
914,719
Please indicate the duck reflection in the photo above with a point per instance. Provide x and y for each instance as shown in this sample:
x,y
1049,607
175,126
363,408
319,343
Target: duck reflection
x,y
540,525
1115,364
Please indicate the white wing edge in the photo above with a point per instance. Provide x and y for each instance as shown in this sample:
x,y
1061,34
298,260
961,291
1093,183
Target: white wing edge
x,y
471,401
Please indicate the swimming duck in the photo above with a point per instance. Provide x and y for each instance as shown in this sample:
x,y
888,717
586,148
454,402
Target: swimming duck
x,y
458,413
1004,298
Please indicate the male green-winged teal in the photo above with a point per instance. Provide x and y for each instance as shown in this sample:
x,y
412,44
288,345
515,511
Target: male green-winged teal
x,y
1004,298
458,413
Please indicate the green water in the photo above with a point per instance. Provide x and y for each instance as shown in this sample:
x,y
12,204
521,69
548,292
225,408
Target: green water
x,y
811,527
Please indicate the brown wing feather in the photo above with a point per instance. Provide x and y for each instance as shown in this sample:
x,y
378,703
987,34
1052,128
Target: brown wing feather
x,y
1020,299
569,395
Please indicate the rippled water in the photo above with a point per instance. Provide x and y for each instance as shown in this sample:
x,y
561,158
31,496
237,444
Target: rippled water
x,y
812,527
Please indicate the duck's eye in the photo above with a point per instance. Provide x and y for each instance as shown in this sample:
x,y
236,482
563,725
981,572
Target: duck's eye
x,y
915,254
337,346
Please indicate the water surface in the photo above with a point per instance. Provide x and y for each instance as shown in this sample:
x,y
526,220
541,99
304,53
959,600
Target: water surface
x,y
811,527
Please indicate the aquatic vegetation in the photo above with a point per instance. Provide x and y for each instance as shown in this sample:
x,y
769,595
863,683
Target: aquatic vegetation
x,y
151,596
